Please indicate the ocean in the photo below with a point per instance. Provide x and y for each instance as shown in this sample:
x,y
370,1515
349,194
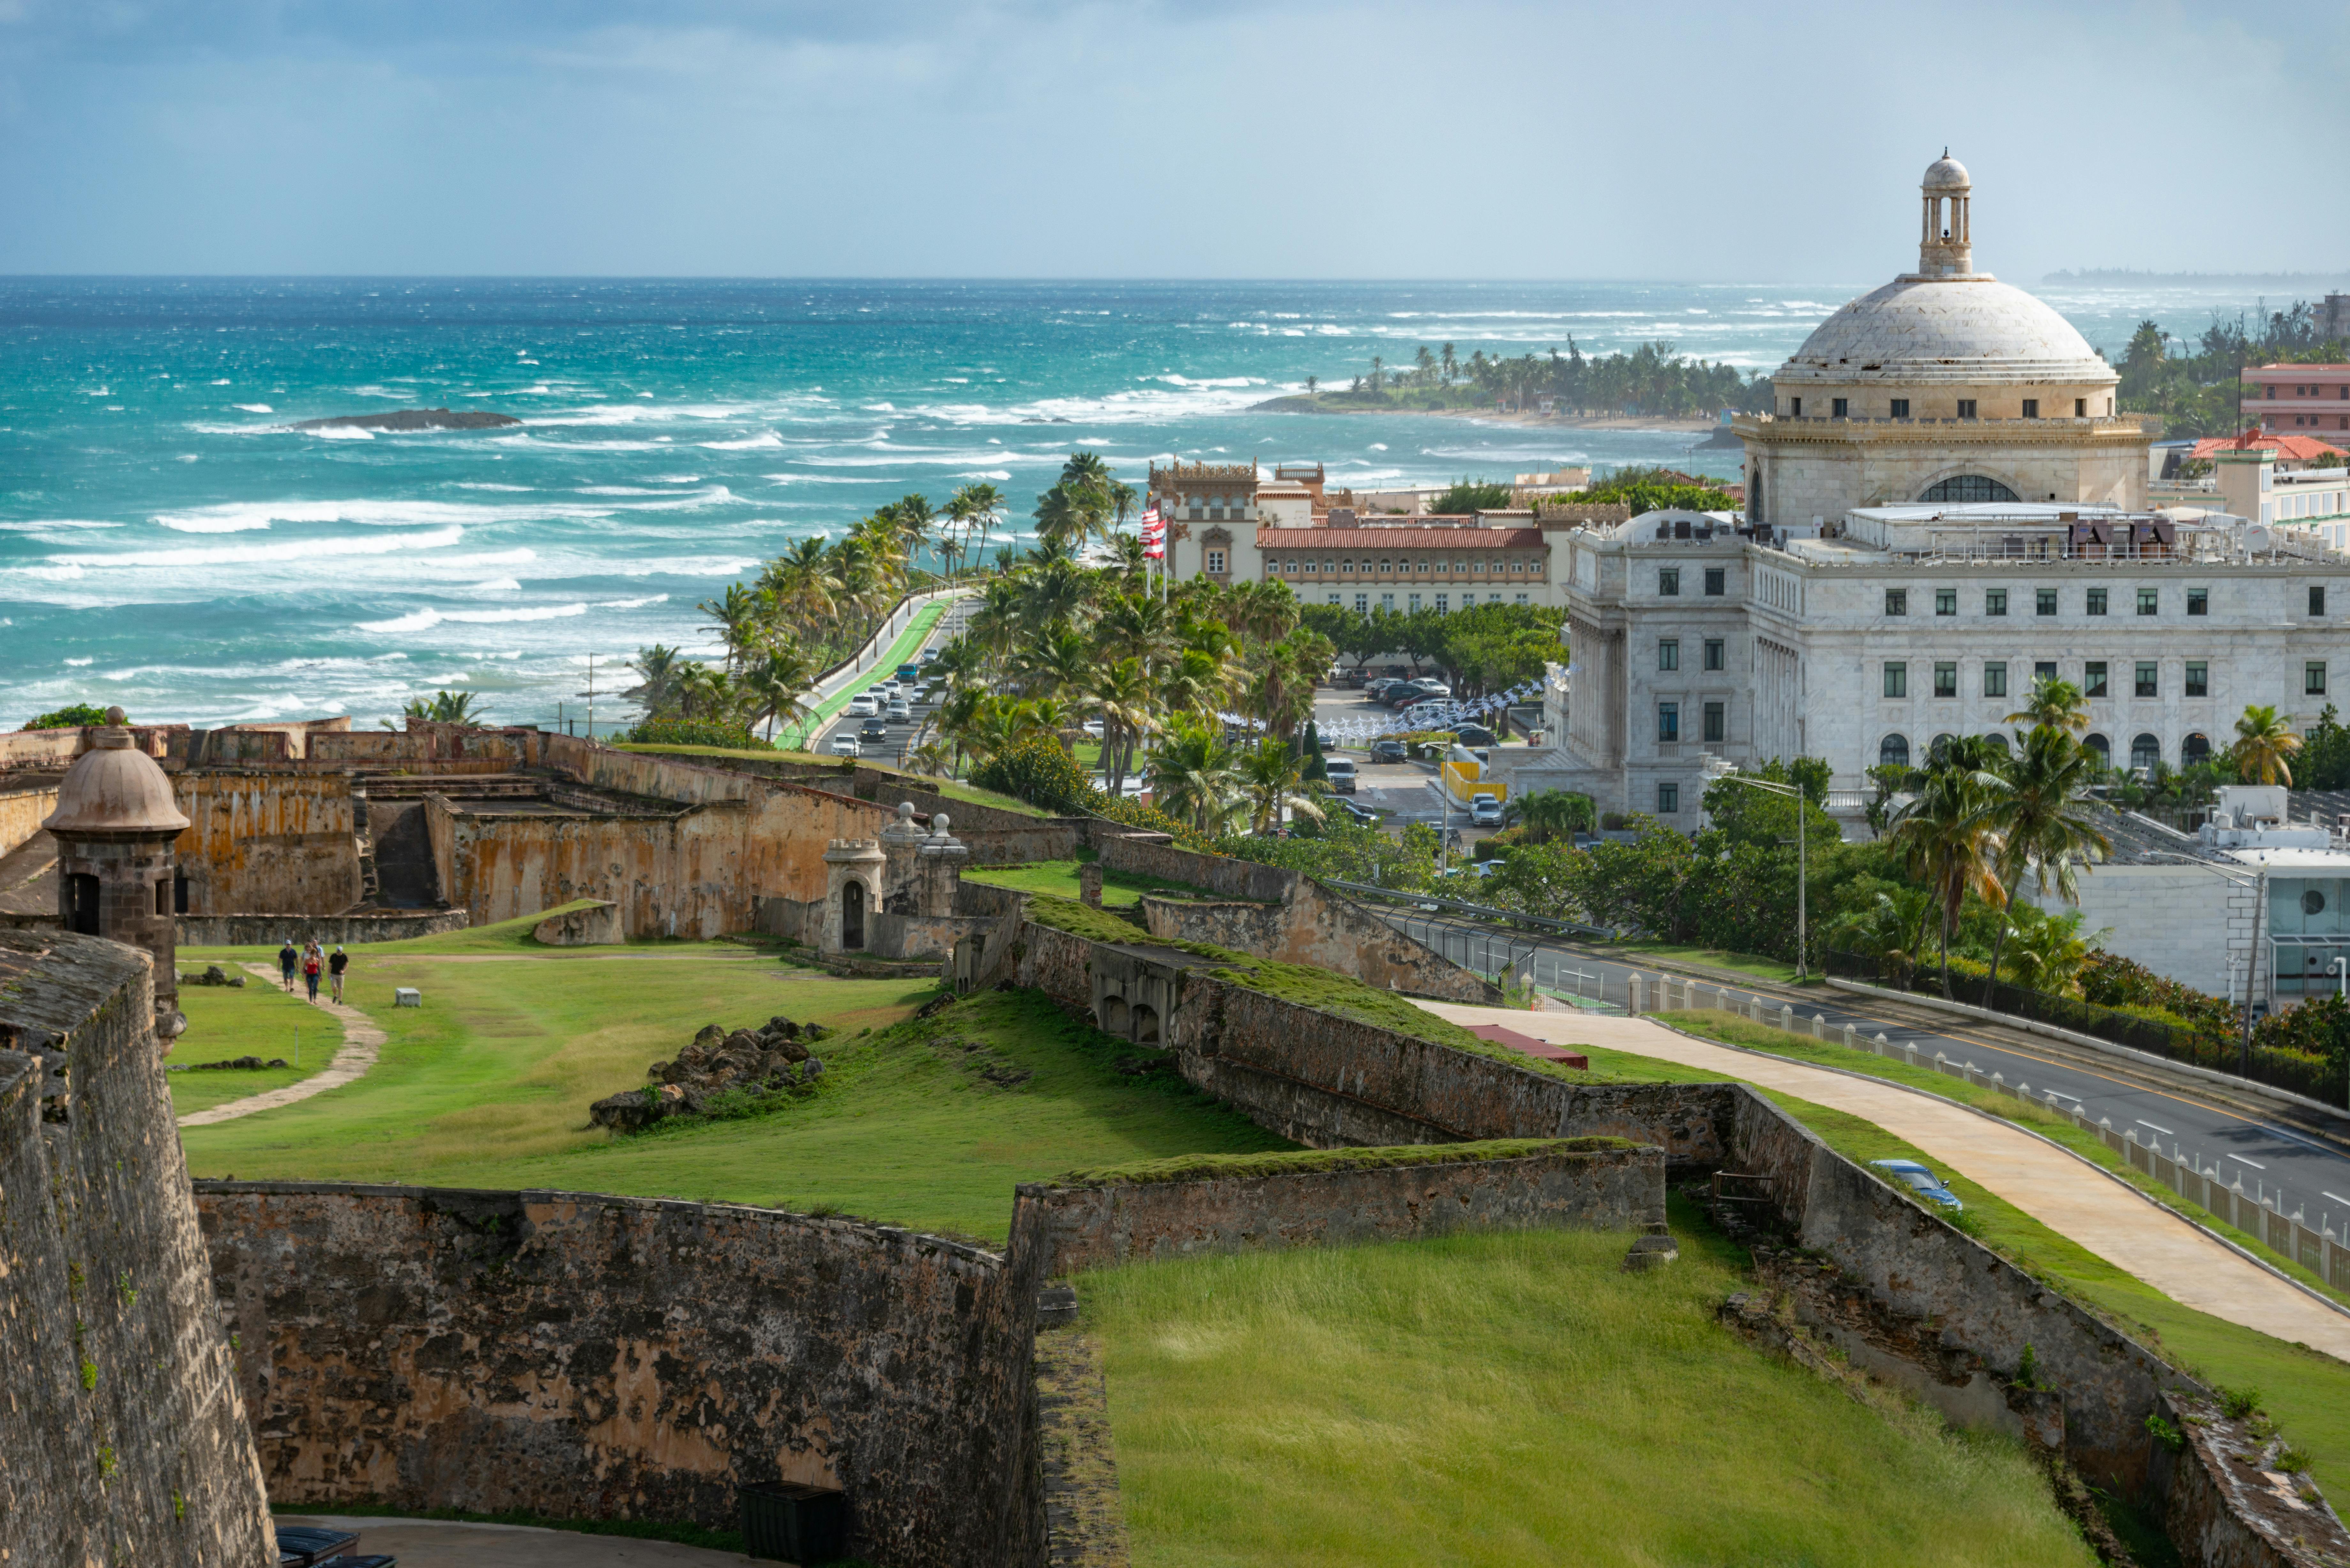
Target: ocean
x,y
168,544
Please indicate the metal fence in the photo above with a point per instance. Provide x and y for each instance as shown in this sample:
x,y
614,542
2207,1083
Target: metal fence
x,y
2151,1036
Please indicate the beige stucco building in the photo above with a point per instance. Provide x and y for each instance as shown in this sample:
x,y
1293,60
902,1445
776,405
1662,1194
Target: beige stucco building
x,y
1945,385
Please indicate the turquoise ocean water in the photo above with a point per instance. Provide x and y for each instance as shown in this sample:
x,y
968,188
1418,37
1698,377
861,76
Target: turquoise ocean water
x,y
166,543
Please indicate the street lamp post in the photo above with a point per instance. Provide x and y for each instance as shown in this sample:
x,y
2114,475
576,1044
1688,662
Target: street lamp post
x,y
1718,769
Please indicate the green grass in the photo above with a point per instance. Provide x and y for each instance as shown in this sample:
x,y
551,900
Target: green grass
x,y
1059,879
1752,964
257,1019
953,789
2307,1390
1292,1162
1514,1398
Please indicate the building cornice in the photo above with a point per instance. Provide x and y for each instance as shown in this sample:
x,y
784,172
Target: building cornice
x,y
2121,431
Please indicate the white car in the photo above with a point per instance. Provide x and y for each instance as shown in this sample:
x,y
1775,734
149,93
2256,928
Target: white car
x,y
863,707
1484,810
899,713
844,746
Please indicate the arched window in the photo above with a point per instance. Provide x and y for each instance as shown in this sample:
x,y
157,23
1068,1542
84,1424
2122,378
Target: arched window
x,y
2197,748
1967,488
1997,739
1893,751
1941,745
2103,747
2146,751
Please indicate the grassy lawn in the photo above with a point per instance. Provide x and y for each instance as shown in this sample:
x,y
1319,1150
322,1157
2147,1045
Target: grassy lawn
x,y
1711,957
1059,878
2307,1391
257,1019
1510,1399
488,1085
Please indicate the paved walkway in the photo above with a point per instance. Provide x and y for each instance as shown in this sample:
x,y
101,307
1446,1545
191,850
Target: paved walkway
x,y
362,1041
2064,1193
451,1543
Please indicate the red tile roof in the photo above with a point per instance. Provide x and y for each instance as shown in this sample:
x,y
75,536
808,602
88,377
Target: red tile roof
x,y
2289,448
1399,538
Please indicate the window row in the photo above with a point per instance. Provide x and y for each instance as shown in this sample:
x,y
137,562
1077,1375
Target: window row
x,y
2146,749
1713,722
1967,408
2095,601
1412,604
1291,565
2096,678
1714,651
1669,582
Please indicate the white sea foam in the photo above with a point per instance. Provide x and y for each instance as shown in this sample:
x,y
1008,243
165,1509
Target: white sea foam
x,y
426,619
276,552
632,604
256,408
498,586
340,432
188,457
43,524
63,574
764,439
986,473
486,484
78,663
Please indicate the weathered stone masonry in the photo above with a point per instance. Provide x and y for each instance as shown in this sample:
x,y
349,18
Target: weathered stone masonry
x,y
586,1356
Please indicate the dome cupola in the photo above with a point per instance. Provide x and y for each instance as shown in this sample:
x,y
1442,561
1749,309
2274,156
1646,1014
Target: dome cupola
x,y
1945,246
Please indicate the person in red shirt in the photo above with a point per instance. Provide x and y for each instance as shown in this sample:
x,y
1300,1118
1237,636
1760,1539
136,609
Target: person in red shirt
x,y
313,961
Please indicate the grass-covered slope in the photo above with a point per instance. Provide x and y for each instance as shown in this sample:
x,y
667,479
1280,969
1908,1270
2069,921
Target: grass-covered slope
x,y
1059,879
1494,1401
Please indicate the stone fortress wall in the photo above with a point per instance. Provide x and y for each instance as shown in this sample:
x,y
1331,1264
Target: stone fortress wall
x,y
122,1436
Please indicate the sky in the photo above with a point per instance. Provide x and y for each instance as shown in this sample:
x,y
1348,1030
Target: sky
x,y
1471,139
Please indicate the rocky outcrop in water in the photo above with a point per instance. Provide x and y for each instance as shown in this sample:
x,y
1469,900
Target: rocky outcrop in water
x,y
413,419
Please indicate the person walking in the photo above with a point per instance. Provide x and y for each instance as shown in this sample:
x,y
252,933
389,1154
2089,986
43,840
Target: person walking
x,y
314,962
335,967
288,961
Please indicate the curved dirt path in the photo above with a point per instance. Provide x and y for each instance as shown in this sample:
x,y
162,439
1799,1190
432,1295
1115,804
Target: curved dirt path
x,y
2066,1194
362,1041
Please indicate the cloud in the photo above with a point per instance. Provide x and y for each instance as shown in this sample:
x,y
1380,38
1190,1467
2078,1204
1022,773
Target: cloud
x,y
1041,137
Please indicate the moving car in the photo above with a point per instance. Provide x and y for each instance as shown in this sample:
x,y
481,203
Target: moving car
x,y
1389,752
844,746
900,711
874,729
1908,1173
1342,774
1358,812
908,673
1484,809
863,707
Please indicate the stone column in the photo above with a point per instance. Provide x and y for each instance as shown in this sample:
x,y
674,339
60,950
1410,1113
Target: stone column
x,y
1089,884
938,874
899,841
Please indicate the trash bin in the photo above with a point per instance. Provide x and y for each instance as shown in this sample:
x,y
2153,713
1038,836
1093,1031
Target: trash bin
x,y
304,1546
788,1522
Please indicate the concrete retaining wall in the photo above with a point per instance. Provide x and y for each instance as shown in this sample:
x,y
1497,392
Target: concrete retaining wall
x,y
1074,1227
122,1438
269,930
586,1356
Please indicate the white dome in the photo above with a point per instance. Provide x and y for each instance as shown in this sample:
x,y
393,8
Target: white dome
x,y
1974,330
1947,173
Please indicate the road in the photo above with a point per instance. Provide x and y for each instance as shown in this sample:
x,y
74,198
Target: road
x,y
2301,1156
897,737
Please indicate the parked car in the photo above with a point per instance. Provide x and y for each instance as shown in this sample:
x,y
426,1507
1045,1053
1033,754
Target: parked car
x,y
1432,686
1377,688
1473,735
900,711
1358,812
874,729
1389,752
1908,1173
844,746
863,707
1342,774
1585,840
1484,809
1350,679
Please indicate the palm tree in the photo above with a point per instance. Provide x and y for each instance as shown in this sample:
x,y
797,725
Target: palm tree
x,y
1272,776
2058,704
1058,659
1068,514
1122,693
1548,814
801,581
1894,927
660,669
2264,742
1192,779
975,506
779,683
1133,626
914,521
2047,829
445,708
1946,837
739,618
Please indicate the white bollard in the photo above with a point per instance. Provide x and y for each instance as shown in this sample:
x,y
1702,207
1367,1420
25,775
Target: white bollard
x,y
1882,1047
1787,1018
1632,995
1851,1038
1819,1026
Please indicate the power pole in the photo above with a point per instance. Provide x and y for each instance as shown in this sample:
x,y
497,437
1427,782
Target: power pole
x,y
591,696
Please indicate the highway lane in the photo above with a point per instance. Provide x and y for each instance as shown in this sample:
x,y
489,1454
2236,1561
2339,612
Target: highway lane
x,y
2272,1160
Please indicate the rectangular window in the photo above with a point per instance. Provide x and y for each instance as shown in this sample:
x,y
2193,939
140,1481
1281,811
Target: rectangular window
x,y
1668,654
1334,599
2147,685
2030,407
1897,601
2312,677
1900,408
1795,407
2093,679
1362,604
1443,603
1387,603
2044,670
2080,408
1946,601
1896,680
2043,601
1668,795
2097,601
1994,679
1716,725
1995,601
1413,601
1966,408
1668,722
2199,601
2149,601
1497,599
2199,679
1946,680
2317,601
1669,582
1716,580
1215,560
1836,408
1713,653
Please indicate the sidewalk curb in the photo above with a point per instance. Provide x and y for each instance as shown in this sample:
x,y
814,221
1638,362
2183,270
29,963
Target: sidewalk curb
x,y
2130,1187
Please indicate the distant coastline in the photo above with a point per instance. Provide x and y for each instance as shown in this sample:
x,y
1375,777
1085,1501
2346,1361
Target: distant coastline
x,y
1297,404
2277,280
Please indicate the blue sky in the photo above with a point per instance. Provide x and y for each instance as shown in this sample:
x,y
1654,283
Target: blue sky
x,y
909,137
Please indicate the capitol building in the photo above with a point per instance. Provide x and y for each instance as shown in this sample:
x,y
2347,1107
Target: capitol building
x,y
1943,507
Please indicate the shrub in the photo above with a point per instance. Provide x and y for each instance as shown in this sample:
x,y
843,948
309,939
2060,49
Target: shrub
x,y
696,733
71,718
1036,770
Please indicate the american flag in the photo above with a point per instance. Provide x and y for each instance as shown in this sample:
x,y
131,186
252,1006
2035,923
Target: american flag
x,y
1154,535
